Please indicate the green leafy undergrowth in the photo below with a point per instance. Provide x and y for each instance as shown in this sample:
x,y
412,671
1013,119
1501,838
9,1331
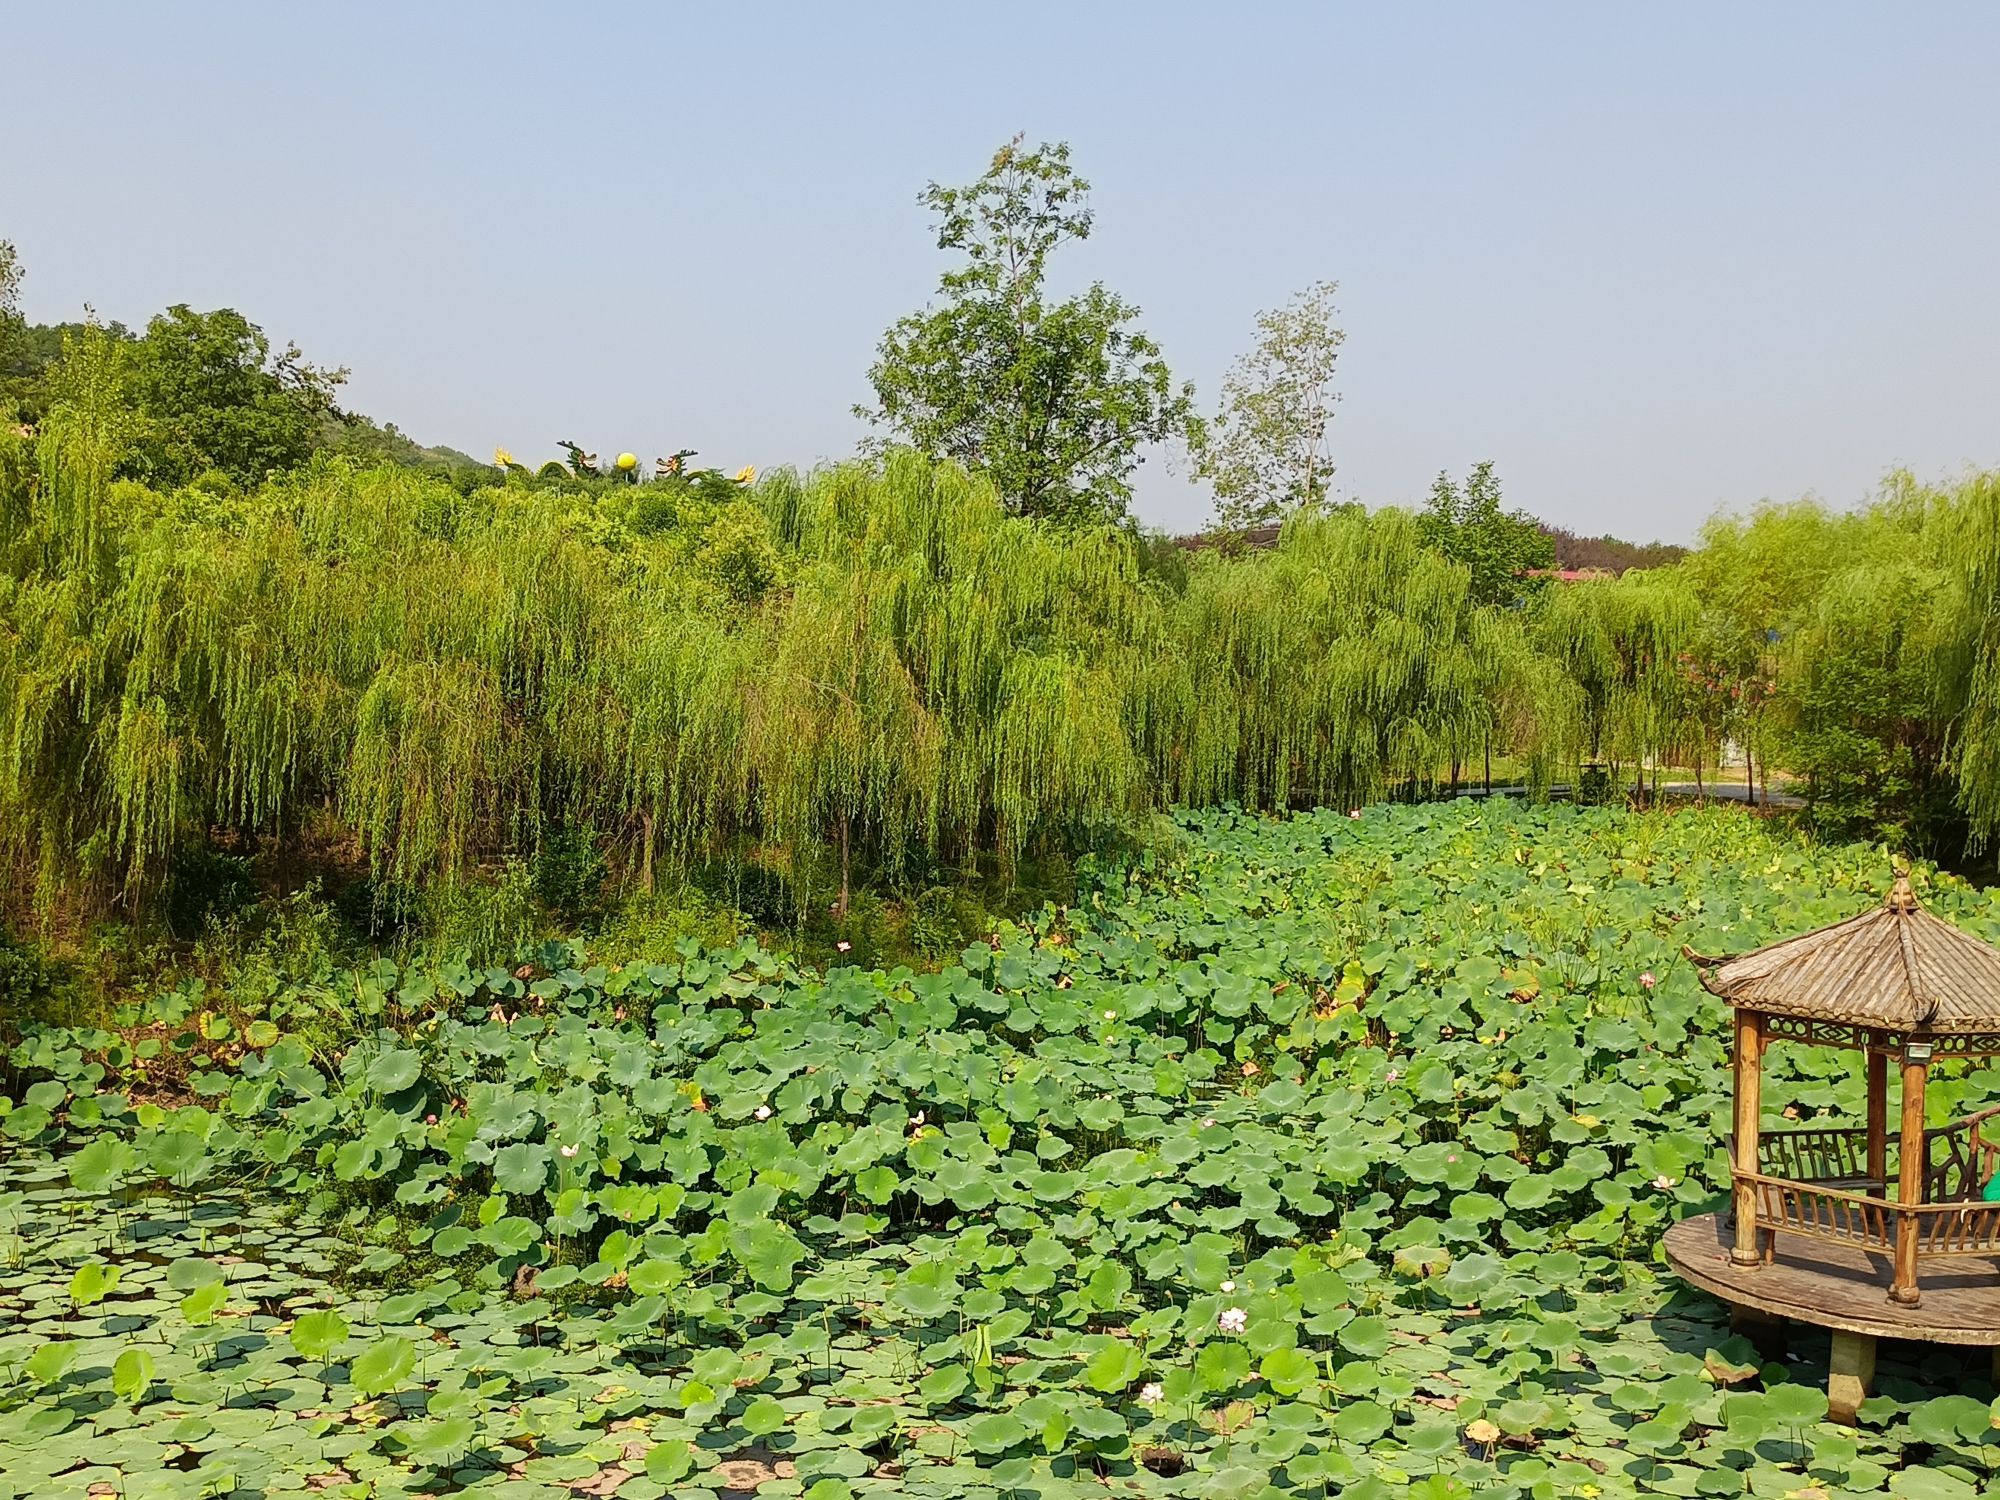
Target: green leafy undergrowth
x,y
1324,1155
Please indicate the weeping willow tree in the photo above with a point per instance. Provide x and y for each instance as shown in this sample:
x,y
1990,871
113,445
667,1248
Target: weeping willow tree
x,y
944,676
443,680
1620,642
1865,706
1350,658
1962,539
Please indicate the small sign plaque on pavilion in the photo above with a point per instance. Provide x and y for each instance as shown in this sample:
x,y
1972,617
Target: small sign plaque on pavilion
x,y
1870,1232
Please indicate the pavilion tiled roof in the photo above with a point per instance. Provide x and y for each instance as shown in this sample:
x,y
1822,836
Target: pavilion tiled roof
x,y
1896,968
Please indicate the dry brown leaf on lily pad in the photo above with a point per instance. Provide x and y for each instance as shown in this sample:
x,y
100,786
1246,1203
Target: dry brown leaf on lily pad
x,y
753,1467
1726,1371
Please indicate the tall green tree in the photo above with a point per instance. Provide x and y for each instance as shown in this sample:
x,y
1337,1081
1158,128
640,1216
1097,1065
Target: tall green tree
x,y
1503,548
11,323
11,272
212,395
1265,453
1053,399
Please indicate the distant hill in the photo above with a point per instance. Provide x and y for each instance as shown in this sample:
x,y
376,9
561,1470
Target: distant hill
x,y
1607,553
359,437
1575,555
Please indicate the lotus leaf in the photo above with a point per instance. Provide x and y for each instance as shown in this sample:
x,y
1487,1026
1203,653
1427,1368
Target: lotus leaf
x,y
132,1374
1364,1156
383,1366
317,1334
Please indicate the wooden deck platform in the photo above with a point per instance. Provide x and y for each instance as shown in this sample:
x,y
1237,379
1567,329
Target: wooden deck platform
x,y
1835,1286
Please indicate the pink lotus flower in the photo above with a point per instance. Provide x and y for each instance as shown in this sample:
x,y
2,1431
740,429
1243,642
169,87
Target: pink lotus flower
x,y
430,1119
1354,812
1232,1320
842,947
1647,979
568,1152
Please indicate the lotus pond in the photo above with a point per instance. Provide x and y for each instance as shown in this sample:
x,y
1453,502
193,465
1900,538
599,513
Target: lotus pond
x,y
1320,1156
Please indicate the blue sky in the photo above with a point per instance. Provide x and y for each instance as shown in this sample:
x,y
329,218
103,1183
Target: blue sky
x,y
1652,262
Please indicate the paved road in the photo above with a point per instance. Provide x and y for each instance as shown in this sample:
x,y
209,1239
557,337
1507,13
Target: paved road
x,y
1731,793
1726,792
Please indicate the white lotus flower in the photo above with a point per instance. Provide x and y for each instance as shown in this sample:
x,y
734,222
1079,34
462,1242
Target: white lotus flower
x,y
763,1111
1150,1393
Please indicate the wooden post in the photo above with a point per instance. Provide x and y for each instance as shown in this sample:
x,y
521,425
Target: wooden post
x,y
1850,1371
1749,1082
1878,1113
1910,1179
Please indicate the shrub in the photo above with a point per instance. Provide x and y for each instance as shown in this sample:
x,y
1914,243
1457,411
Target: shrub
x,y
569,873
206,885
29,980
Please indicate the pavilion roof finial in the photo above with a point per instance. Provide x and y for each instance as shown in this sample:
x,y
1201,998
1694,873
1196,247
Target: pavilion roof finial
x,y
1902,896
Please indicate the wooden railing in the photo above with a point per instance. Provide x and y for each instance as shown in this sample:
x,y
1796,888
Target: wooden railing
x,y
1958,1228
1829,1213
1814,1155
1810,1190
1958,1158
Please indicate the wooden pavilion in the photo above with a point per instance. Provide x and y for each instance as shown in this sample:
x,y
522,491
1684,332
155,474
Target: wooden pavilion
x,y
1886,1233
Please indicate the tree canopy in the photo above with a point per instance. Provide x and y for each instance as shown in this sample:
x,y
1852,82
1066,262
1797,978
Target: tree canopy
x,y
1265,452
1054,399
1503,549
213,397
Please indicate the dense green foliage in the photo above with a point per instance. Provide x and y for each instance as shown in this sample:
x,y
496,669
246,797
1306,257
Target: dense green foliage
x,y
1327,1154
234,625
875,667
873,663
1504,550
1051,399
